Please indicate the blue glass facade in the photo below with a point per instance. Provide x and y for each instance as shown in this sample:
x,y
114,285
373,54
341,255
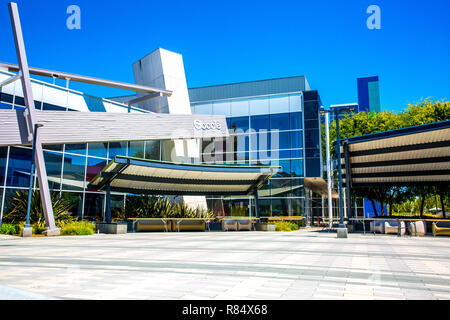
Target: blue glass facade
x,y
281,128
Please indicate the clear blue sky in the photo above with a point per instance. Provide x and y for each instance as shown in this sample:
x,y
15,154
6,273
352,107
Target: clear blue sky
x,y
233,41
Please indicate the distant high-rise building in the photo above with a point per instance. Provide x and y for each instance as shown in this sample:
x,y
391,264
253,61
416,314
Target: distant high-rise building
x,y
369,94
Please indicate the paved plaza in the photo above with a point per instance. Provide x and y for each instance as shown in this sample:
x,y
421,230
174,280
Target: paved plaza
x,y
227,265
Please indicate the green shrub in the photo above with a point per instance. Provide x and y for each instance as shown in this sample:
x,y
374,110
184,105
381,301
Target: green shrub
x,y
8,228
285,226
78,228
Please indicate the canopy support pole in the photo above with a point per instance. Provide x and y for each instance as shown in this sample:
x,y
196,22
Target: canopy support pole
x,y
348,181
108,203
256,203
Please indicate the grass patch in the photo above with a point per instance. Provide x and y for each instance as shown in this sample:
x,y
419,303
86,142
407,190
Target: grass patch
x,y
8,228
78,228
286,226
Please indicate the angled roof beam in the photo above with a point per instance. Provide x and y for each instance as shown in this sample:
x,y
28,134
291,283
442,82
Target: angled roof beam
x,y
147,97
10,80
86,79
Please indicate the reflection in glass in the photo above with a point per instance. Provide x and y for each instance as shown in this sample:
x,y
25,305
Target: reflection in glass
x,y
259,122
297,168
53,165
117,149
94,166
296,120
136,149
76,148
19,167
279,104
239,123
152,150
279,121
93,206
3,155
98,149
73,175
77,199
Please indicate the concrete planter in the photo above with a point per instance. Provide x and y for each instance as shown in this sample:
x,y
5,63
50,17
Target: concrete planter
x,y
111,228
265,227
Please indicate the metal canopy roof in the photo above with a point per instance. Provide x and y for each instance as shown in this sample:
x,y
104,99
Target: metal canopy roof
x,y
139,176
417,155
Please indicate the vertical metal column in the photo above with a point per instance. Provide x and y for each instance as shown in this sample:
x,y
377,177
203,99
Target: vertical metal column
x,y
348,181
31,121
256,204
329,169
108,203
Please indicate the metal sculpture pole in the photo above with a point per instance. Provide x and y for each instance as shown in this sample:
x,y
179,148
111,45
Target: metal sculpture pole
x,y
330,199
31,121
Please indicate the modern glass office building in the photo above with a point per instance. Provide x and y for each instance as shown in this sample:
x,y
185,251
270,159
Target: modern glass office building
x,y
271,122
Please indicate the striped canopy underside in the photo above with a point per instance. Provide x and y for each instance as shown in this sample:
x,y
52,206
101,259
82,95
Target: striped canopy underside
x,y
140,176
414,158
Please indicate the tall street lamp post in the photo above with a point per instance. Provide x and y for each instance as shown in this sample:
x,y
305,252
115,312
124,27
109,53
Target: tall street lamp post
x,y
337,109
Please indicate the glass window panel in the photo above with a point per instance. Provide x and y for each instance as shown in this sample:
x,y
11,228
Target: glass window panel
x,y
296,139
285,154
53,147
5,106
94,166
279,104
295,103
311,111
53,164
260,122
48,106
279,121
117,149
73,175
259,106
311,124
136,149
117,207
239,208
296,120
5,97
19,167
280,207
3,155
222,108
240,123
204,108
285,170
77,199
312,139
297,206
19,101
297,153
297,168
98,149
93,206
312,153
280,187
152,150
265,209
76,148
284,141
239,108
221,207
312,167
